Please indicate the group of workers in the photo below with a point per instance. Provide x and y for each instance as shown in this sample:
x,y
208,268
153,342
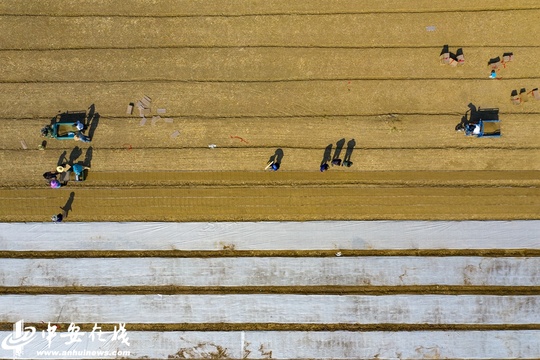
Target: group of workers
x,y
496,63
61,175
274,164
62,171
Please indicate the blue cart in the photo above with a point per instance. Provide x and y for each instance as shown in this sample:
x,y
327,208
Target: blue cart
x,y
487,125
63,126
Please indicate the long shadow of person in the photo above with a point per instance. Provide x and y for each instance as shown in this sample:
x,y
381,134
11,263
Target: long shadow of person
x,y
327,156
62,158
350,147
339,148
68,206
93,125
275,160
462,124
75,153
278,156
474,115
88,157
90,115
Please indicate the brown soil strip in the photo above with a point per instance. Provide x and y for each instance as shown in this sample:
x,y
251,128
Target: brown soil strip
x,y
4,326
252,178
273,203
196,9
283,30
289,290
162,65
230,252
248,100
202,8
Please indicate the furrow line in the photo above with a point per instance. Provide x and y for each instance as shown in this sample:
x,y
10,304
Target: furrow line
x,y
149,185
180,147
228,253
252,46
263,81
285,116
278,14
289,290
164,327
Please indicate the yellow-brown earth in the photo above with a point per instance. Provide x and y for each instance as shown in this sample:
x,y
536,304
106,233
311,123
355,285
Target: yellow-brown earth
x,y
255,77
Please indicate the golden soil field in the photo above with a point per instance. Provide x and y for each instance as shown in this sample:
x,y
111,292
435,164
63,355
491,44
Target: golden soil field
x,y
256,77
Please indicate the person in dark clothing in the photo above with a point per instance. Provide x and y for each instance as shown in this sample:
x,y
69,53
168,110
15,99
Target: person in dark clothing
x,y
49,175
51,178
274,166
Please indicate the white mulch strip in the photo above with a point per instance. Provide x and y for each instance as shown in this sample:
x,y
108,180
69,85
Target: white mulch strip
x,y
317,235
272,271
270,308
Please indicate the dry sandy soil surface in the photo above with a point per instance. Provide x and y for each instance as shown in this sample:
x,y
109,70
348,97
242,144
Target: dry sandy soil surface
x,y
304,80
258,77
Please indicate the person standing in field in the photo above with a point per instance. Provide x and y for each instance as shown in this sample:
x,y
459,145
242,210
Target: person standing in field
x,y
81,137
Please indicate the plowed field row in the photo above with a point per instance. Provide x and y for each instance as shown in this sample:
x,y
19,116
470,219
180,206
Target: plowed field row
x,y
257,7
336,30
259,64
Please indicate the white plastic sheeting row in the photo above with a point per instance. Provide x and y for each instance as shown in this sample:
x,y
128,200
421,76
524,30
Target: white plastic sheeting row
x,y
324,235
267,271
300,345
271,271
286,309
